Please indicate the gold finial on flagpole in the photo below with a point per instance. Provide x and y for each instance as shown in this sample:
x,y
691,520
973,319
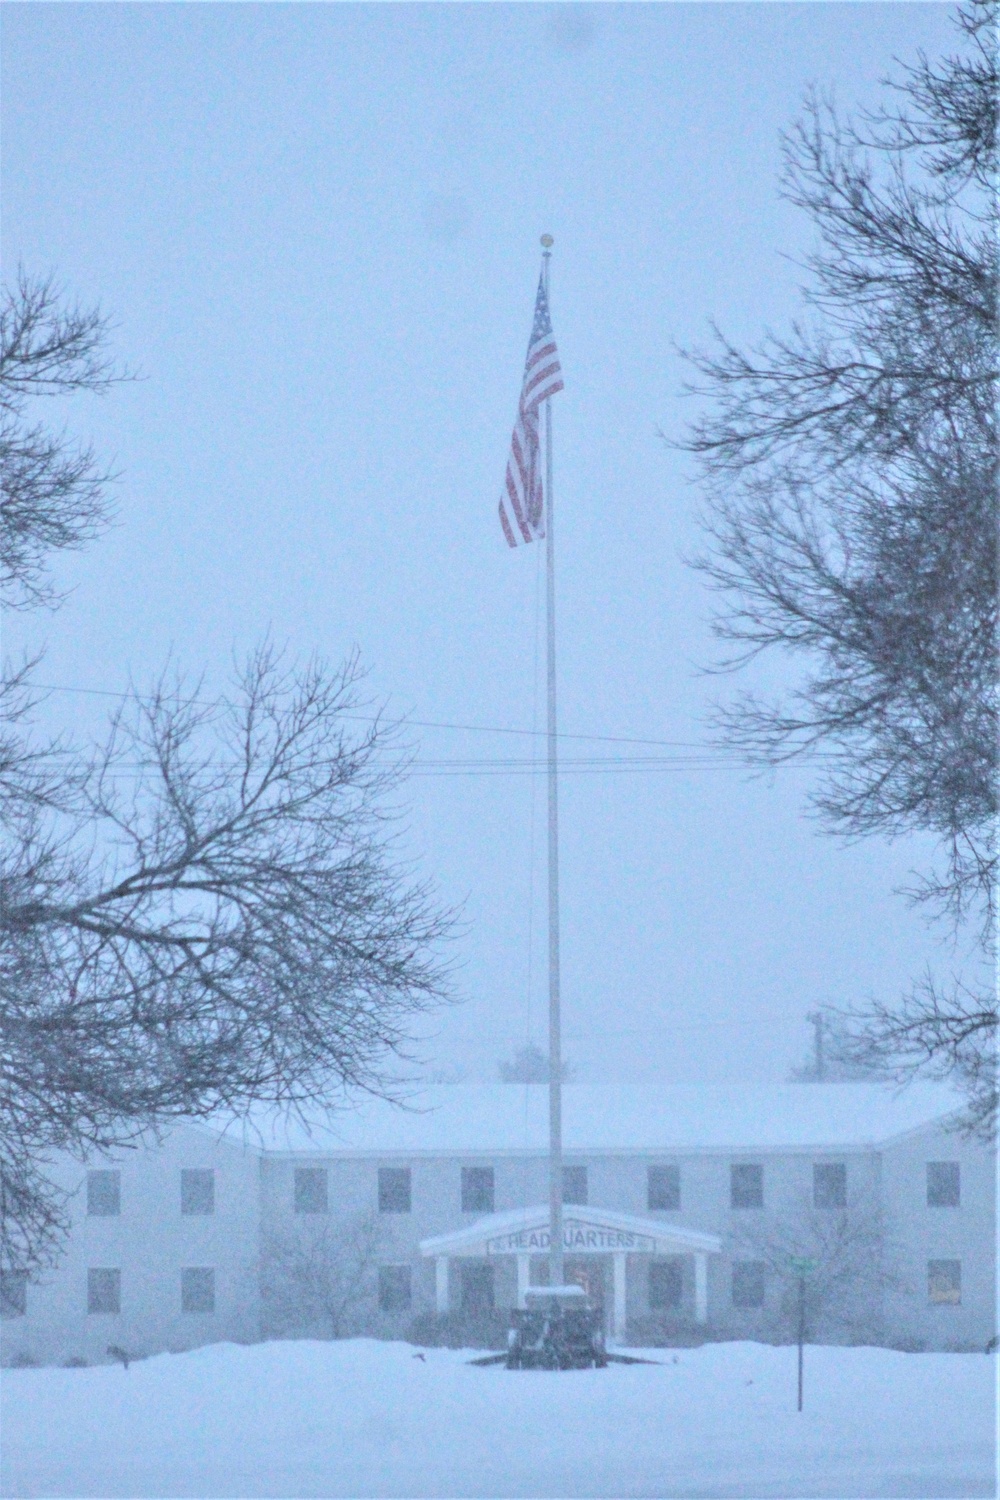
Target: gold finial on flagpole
x,y
547,243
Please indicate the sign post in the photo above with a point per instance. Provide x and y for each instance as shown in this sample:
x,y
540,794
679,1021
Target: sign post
x,y
803,1267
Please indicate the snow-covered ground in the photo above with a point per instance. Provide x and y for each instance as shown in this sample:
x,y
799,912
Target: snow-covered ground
x,y
362,1418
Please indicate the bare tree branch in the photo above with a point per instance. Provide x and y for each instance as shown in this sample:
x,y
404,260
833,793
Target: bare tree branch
x,y
852,1266
209,910
54,494
944,1033
851,476
323,1274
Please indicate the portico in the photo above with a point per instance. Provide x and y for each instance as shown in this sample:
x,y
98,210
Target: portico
x,y
524,1232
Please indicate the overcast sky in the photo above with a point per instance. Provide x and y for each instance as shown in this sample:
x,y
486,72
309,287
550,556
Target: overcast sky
x,y
316,230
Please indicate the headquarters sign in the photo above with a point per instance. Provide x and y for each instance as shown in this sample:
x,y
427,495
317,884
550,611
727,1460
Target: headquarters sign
x,y
577,1235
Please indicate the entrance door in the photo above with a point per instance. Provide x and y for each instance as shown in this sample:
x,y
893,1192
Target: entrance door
x,y
590,1272
477,1287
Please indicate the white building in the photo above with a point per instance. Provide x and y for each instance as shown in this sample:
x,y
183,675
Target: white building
x,y
682,1206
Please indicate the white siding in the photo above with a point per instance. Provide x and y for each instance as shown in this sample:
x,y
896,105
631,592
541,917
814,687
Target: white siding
x,y
919,1233
151,1241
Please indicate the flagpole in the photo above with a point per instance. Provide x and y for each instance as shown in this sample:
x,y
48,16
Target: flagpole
x,y
556,1271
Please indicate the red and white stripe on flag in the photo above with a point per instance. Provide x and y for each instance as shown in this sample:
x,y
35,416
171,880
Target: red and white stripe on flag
x,y
522,504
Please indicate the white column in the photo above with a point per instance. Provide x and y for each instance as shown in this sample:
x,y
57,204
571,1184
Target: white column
x,y
441,1282
523,1278
701,1287
618,1319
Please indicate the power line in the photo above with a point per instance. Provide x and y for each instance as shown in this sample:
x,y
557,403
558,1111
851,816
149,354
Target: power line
x,y
610,739
611,766
701,760
571,766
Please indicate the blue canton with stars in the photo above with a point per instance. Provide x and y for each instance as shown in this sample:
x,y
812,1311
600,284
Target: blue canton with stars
x,y
542,326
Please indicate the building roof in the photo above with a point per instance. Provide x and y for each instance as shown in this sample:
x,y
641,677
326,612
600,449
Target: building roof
x,y
512,1118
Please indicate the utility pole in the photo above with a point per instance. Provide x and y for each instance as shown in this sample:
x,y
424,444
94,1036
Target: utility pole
x,y
819,1026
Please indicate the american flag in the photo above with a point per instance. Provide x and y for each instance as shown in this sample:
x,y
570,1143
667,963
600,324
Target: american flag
x,y
522,505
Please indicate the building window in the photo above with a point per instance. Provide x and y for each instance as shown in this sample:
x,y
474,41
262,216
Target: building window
x,y
575,1185
104,1290
198,1289
944,1283
13,1294
104,1194
477,1191
944,1184
829,1184
749,1283
394,1190
310,1190
746,1186
395,1291
666,1284
197,1190
663,1187
477,1288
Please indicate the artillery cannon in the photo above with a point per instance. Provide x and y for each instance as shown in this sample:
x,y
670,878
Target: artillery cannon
x,y
559,1329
